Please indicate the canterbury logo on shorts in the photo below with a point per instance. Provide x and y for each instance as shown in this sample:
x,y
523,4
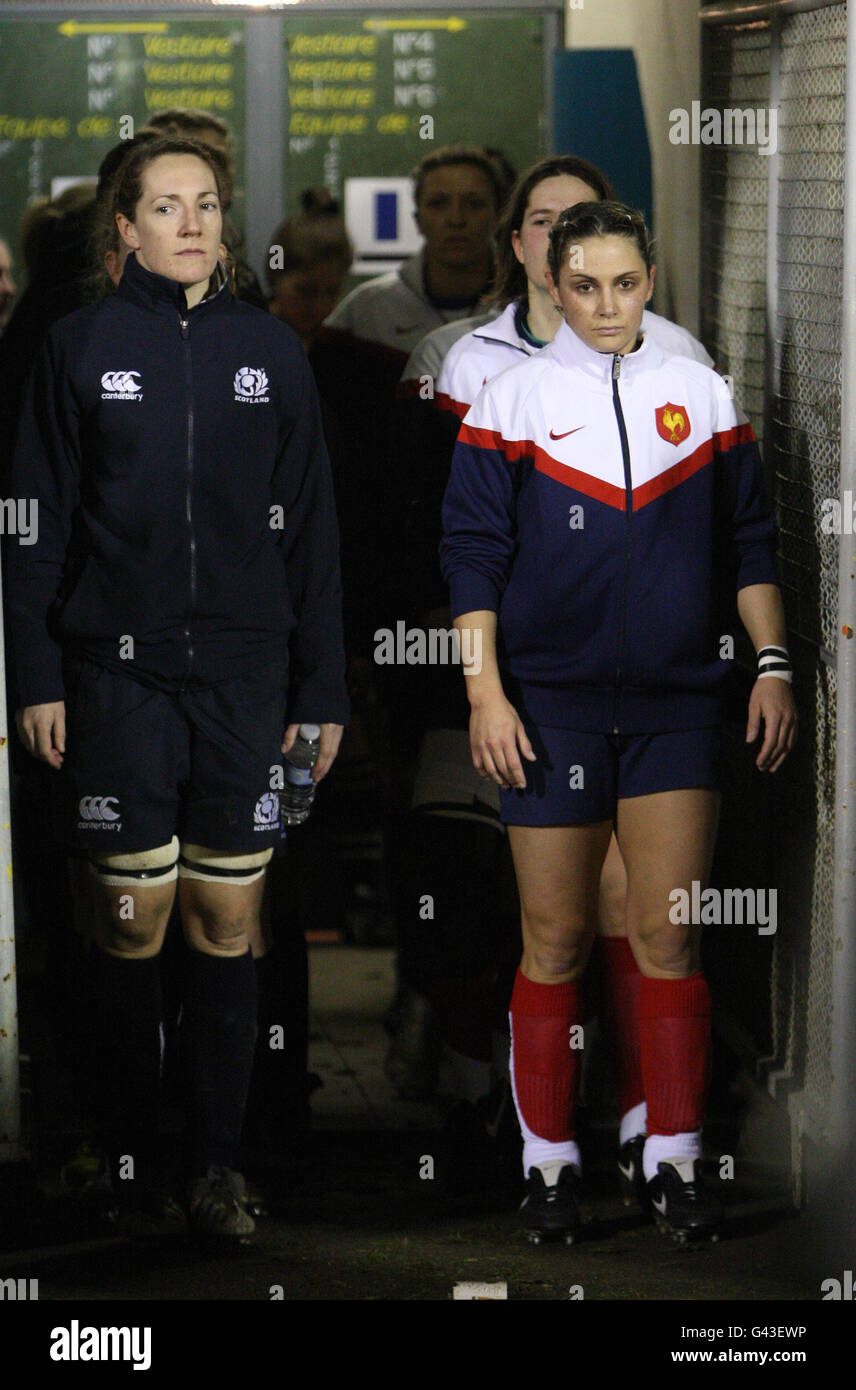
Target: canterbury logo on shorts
x,y
99,813
121,386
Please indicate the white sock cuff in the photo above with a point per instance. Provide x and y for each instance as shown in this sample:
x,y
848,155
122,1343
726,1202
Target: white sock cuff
x,y
633,1122
659,1148
537,1151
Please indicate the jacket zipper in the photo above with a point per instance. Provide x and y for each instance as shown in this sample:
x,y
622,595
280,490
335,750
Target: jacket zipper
x,y
628,511
188,361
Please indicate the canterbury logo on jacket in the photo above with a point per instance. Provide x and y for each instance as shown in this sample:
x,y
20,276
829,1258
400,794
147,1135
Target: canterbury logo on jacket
x,y
185,501
603,518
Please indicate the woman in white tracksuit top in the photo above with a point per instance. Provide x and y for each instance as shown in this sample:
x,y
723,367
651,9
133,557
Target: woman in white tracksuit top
x,y
603,498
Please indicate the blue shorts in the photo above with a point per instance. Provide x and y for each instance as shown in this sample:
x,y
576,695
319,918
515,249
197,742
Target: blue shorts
x,y
142,766
579,778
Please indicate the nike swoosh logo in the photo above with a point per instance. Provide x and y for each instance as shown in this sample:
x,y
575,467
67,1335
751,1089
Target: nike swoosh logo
x,y
567,432
660,1205
628,1172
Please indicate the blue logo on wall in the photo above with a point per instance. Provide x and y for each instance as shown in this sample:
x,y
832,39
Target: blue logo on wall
x,y
386,216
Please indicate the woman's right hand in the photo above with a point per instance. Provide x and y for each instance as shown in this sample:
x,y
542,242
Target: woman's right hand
x,y
496,733
41,729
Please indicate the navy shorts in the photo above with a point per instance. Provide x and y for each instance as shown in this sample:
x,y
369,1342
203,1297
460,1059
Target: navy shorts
x,y
579,778
142,765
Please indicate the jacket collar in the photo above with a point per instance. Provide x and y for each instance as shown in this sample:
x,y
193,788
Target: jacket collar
x,y
159,293
570,351
412,274
504,330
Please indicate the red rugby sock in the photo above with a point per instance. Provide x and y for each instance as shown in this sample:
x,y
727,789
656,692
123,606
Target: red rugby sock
x,y
546,1066
621,980
674,1030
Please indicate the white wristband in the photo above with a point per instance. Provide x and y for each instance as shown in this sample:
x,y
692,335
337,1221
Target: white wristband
x,y
774,661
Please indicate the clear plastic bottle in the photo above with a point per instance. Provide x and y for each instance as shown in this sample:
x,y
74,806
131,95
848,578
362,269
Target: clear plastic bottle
x,y
296,797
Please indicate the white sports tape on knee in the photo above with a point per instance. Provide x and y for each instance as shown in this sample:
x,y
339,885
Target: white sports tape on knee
x,y
213,866
147,868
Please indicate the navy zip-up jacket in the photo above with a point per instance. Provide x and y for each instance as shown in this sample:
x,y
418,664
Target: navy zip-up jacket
x,y
184,501
608,509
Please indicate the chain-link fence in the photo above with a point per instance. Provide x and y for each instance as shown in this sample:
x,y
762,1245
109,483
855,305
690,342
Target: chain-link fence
x,y
771,316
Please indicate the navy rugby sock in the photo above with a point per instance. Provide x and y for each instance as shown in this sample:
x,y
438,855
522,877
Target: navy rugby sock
x,y
126,1030
218,1041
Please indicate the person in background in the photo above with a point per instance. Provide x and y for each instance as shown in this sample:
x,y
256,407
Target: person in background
x,y
458,194
358,357
54,238
309,257
7,283
210,130
358,361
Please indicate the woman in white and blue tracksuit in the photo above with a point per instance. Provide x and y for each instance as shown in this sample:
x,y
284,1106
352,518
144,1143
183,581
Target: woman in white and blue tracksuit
x,y
462,363
604,499
176,620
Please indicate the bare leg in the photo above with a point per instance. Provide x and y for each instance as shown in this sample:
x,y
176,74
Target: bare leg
x,y
667,841
558,872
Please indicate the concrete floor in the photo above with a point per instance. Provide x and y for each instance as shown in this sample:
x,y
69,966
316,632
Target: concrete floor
x,y
363,1225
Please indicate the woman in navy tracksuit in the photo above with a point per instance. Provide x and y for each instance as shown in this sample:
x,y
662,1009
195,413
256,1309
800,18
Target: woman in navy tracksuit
x,y
603,498
175,621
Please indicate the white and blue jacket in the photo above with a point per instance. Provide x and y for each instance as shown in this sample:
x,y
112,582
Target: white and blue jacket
x,y
607,508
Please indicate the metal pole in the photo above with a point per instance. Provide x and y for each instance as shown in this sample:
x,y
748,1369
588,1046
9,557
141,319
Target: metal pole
x,y
264,134
750,11
553,41
11,1150
772,353
842,1107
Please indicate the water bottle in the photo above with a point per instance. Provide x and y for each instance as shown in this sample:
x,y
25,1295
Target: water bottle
x,y
296,797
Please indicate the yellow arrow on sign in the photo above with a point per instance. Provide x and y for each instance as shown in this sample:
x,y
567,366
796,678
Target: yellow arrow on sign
x,y
71,27
454,25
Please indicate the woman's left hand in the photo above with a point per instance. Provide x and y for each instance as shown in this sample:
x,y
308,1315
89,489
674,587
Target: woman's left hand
x,y
771,701
328,747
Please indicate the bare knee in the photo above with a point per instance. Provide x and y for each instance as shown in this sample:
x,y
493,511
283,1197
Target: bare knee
x,y
554,951
664,948
133,895
221,898
219,931
133,923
